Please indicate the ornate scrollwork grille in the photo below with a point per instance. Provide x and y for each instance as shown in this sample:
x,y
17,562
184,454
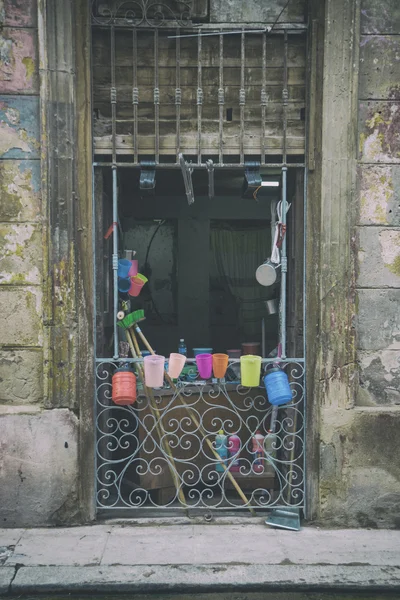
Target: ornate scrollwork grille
x,y
135,444
143,13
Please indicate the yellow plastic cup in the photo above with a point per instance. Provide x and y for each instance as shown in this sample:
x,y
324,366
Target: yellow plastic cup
x,y
250,370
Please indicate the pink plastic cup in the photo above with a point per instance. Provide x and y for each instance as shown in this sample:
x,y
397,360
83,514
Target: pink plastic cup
x,y
134,268
137,283
204,365
154,370
175,364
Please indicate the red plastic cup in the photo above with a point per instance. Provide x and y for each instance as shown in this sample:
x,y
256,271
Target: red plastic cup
x,y
137,283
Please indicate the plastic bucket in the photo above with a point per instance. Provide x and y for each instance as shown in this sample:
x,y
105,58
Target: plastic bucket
x,y
137,283
176,364
277,387
124,266
154,370
251,348
268,273
124,284
220,365
234,353
204,365
250,370
197,351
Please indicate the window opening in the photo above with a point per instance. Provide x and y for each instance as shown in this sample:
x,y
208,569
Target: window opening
x,y
156,97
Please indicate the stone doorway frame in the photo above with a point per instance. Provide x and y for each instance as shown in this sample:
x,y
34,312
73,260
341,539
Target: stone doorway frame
x,y
64,52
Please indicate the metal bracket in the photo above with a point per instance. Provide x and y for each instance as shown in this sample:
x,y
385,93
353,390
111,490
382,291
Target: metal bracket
x,y
210,171
187,179
147,182
252,179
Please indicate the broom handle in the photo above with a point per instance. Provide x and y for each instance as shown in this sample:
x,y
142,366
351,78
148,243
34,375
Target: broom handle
x,y
196,422
164,443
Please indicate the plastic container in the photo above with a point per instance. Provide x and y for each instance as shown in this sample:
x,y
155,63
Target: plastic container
x,y
277,387
197,351
176,364
124,265
221,446
234,353
124,284
251,348
137,283
123,387
204,365
234,446
250,370
154,370
258,452
134,268
182,349
220,365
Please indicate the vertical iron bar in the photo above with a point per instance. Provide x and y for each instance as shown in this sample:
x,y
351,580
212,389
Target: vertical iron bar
x,y
115,191
221,99
285,97
178,94
283,265
199,97
156,100
135,96
242,95
263,95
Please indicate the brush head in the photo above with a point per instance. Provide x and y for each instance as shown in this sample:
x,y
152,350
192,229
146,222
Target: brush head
x,y
132,319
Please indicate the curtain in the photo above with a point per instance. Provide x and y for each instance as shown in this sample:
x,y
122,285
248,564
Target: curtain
x,y
236,252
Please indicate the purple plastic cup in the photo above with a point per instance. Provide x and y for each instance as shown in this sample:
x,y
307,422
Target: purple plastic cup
x,y
204,365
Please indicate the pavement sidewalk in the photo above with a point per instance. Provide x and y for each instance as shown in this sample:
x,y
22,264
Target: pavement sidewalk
x,y
187,557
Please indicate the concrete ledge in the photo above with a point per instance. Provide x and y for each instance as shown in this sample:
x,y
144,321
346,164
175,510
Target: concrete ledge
x,y
203,578
6,577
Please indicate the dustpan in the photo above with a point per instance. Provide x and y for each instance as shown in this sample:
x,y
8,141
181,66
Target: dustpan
x,y
287,517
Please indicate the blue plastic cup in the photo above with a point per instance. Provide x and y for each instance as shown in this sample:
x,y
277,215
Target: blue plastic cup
x,y
124,284
124,265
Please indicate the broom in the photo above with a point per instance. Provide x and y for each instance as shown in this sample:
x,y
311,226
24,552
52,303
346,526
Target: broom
x,y
156,415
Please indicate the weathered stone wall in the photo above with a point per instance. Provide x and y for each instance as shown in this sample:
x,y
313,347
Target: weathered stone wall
x,y
359,479
38,448
378,277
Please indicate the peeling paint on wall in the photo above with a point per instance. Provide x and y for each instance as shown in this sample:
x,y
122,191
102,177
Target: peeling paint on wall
x,y
19,127
18,62
20,198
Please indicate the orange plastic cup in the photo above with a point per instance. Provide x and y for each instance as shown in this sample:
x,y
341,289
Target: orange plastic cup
x,y
220,365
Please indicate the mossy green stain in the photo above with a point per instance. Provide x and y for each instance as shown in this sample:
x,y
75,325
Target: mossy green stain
x,y
394,267
29,66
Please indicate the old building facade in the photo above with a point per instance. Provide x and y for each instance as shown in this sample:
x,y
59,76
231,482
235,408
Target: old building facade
x,y
48,142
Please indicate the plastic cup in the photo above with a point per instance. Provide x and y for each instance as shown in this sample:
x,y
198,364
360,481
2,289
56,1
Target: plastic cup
x,y
134,268
176,364
154,370
124,284
204,365
123,267
137,283
220,365
250,370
